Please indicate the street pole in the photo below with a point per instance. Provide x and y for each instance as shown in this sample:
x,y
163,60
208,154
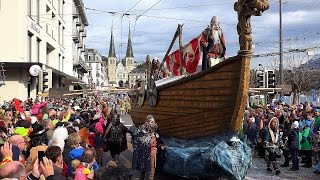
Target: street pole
x,y
280,45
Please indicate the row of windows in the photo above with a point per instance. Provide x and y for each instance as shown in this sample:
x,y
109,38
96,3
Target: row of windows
x,y
49,49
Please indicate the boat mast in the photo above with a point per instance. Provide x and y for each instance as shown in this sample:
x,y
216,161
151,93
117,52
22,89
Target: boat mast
x,y
181,48
170,47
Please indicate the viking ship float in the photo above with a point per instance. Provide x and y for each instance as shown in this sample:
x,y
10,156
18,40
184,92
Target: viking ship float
x,y
208,102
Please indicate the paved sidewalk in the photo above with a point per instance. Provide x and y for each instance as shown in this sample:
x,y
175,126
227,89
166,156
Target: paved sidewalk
x,y
258,171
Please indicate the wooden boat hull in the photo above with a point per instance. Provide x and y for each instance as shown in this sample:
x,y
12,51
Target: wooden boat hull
x,y
202,104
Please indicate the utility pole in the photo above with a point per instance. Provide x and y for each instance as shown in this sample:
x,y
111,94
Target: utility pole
x,y
280,45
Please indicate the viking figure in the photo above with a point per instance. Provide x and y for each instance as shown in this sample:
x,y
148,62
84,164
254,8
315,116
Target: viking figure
x,y
213,44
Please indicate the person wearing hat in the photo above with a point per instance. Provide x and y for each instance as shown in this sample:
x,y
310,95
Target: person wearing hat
x,y
145,142
271,138
213,44
38,135
116,138
306,146
293,144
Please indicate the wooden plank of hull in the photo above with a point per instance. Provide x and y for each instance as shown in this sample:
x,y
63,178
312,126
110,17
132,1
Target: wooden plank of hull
x,y
187,122
198,131
199,98
197,92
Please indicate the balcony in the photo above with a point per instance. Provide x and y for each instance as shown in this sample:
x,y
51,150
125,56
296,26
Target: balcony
x,y
78,23
75,36
84,33
75,12
81,29
83,49
80,44
80,65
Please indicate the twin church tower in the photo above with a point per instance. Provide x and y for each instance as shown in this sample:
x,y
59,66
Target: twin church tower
x,y
119,70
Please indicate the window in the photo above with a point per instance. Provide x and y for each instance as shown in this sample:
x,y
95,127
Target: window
x,y
30,46
59,59
38,11
38,49
59,33
62,8
63,28
90,57
59,6
62,64
29,7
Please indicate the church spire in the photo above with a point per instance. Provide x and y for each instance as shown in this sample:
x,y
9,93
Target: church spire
x,y
112,51
129,48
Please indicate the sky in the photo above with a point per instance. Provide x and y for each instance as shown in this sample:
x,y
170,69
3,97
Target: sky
x,y
154,22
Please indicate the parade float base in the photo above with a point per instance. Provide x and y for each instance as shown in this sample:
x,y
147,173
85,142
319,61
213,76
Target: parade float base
x,y
207,158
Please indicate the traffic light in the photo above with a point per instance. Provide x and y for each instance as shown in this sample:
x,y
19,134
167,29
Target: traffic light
x,y
271,80
260,79
44,80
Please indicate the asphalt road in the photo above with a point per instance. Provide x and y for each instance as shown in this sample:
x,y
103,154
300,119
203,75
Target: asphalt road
x,y
256,172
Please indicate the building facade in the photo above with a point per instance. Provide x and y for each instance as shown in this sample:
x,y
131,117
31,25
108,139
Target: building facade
x,y
137,74
96,75
38,32
118,70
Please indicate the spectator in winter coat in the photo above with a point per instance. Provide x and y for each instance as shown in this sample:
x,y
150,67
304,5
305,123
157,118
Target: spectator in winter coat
x,y
37,106
293,144
271,138
306,146
252,132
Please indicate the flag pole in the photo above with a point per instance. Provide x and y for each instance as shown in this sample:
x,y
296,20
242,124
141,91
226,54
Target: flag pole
x,y
170,47
181,49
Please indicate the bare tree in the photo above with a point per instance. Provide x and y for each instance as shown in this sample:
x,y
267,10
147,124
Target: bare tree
x,y
298,75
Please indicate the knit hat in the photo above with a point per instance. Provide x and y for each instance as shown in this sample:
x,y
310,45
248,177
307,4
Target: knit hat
x,y
21,131
295,124
54,122
39,116
307,123
45,117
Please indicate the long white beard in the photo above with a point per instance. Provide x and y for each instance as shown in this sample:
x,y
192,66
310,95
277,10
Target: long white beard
x,y
216,36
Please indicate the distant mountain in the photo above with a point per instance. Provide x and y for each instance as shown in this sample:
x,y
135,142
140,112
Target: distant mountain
x,y
314,62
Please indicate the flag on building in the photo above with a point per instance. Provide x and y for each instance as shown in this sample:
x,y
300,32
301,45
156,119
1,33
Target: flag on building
x,y
191,58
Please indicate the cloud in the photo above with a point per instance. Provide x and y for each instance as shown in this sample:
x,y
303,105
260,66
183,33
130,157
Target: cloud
x,y
153,31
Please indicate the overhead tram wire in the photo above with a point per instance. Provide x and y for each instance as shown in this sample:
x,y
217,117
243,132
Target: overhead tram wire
x,y
122,15
136,19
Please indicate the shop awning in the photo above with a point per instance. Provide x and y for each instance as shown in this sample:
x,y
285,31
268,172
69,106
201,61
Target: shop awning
x,y
66,78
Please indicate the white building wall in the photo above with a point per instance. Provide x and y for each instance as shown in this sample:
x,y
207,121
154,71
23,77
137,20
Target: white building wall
x,y
25,35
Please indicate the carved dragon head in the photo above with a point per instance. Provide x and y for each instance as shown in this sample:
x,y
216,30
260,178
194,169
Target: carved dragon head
x,y
251,7
259,6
